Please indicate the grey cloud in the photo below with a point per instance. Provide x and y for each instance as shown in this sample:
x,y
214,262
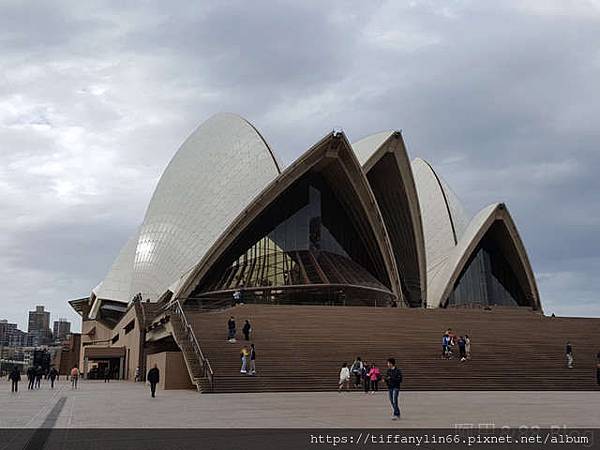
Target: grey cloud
x,y
96,98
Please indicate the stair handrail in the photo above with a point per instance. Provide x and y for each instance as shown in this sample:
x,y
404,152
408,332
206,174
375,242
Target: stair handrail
x,y
205,363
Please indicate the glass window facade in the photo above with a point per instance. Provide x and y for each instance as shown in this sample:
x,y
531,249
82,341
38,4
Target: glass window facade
x,y
306,237
488,279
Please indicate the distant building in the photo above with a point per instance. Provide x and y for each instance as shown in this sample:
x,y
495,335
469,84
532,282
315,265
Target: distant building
x,y
10,335
6,330
18,339
39,327
62,328
68,356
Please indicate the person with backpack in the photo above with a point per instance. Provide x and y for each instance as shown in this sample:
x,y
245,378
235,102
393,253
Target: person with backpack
x,y
356,369
344,377
14,377
393,378
445,346
374,377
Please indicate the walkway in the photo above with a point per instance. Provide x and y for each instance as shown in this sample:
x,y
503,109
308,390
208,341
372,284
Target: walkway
x,y
126,404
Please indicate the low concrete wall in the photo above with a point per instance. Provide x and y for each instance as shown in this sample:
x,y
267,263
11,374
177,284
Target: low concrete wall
x,y
173,371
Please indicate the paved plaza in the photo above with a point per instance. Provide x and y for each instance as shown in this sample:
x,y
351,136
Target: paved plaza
x,y
127,404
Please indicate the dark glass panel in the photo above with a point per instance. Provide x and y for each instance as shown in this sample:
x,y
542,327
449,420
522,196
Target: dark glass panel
x,y
488,279
304,238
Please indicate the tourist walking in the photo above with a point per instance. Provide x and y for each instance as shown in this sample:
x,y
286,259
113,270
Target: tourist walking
x,y
39,373
74,377
356,369
30,378
153,378
246,330
569,354
52,375
107,374
365,377
244,354
14,376
137,374
231,329
374,377
344,377
393,378
252,360
462,348
468,346
238,297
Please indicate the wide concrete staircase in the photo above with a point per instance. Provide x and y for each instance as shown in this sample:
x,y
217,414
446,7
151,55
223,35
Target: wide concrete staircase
x,y
301,348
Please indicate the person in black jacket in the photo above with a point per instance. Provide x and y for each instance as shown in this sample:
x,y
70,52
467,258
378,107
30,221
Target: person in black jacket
x,y
393,378
15,377
153,378
107,374
30,377
53,375
231,329
252,370
39,373
246,330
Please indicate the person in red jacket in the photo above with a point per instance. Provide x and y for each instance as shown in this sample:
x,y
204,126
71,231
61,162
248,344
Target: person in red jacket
x,y
374,376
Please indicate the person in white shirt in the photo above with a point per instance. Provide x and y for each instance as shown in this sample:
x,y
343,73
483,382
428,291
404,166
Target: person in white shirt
x,y
344,377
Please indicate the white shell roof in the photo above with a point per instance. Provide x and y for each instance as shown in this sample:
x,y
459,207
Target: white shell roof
x,y
442,216
439,282
368,152
217,171
366,147
440,287
117,283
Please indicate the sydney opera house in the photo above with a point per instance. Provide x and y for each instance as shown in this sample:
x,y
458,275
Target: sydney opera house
x,y
347,227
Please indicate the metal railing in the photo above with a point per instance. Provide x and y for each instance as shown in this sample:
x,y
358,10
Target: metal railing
x,y
314,295
207,370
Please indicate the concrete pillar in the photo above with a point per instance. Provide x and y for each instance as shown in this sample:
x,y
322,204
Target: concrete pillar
x,y
85,366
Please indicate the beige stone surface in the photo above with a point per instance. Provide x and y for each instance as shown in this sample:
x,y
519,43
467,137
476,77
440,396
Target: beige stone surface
x,y
173,372
128,404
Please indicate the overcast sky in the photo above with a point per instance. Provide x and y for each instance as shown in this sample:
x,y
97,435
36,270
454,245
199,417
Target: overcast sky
x,y
95,98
